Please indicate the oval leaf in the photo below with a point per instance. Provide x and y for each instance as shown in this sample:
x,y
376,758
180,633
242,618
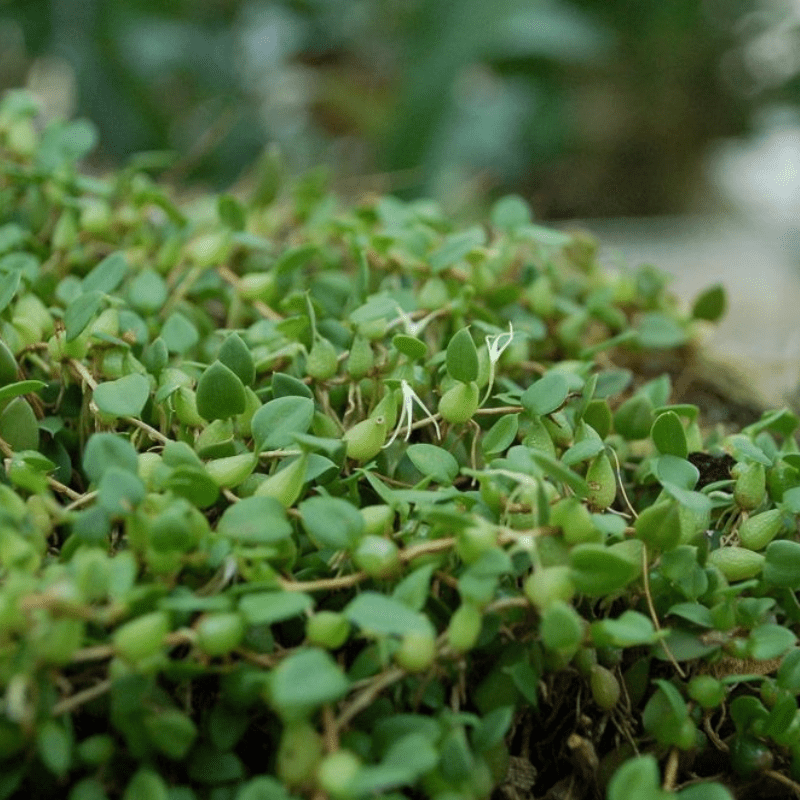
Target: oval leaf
x,y
546,395
669,436
462,357
434,461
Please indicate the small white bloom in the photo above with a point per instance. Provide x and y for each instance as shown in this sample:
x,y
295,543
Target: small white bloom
x,y
496,345
407,412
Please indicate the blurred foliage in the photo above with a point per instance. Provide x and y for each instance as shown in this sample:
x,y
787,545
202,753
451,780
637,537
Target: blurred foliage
x,y
589,107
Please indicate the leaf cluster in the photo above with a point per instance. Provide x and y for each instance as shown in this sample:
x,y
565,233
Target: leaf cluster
x,y
299,498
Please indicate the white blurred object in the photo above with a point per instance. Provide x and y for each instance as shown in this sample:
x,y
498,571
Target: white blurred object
x,y
761,177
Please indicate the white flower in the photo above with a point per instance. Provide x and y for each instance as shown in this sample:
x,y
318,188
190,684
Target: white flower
x,y
407,412
496,345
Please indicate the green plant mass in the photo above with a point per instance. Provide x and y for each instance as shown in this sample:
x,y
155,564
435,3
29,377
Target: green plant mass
x,y
304,500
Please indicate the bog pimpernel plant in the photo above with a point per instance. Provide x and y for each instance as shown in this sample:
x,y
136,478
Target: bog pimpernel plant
x,y
301,501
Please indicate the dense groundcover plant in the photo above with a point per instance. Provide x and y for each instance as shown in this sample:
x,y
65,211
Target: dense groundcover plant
x,y
304,501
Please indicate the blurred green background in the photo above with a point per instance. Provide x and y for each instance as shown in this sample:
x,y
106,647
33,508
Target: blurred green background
x,y
588,108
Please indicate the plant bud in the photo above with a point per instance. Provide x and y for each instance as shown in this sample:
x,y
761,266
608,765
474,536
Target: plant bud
x,y
460,402
464,628
602,482
322,362
377,556
545,585
337,772
736,563
605,687
575,521
416,652
751,485
328,629
220,632
756,532
286,484
141,637
361,358
299,753
365,439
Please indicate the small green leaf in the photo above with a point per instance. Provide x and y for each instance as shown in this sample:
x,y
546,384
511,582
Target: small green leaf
x,y
148,291
630,629
782,564
124,397
455,247
434,462
19,426
194,484
54,746
657,331
9,283
634,418
255,520
306,679
462,357
220,393
231,212
179,334
557,470
104,450
710,304
12,390
789,672
119,491
769,641
509,213
501,435
171,731
107,275
276,422
80,312
410,346
658,526
677,471
669,436
236,356
547,394
582,451
264,608
596,571
378,614
561,629
332,522
637,777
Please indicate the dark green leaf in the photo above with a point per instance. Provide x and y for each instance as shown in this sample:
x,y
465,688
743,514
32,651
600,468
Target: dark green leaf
x,y
80,312
669,436
220,393
9,283
462,357
501,435
710,304
657,331
276,422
